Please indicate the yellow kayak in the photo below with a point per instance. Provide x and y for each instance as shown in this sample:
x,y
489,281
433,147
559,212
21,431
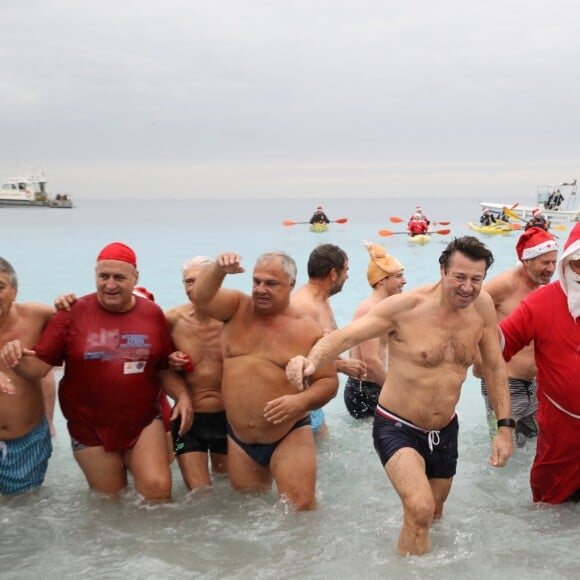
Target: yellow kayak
x,y
318,228
420,239
502,228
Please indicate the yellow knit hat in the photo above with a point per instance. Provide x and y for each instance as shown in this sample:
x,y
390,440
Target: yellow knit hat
x,y
381,264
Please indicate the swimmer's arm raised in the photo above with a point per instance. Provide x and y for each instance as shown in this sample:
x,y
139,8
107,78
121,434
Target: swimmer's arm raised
x,y
208,295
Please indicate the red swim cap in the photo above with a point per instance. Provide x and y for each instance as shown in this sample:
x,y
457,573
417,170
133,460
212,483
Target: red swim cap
x,y
118,251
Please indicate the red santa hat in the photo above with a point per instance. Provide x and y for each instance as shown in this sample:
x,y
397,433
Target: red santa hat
x,y
571,252
536,212
118,251
534,242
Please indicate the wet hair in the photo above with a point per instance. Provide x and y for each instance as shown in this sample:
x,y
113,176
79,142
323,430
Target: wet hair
x,y
287,262
470,247
6,268
195,261
323,259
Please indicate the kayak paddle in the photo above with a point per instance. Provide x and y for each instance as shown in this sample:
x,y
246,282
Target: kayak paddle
x,y
386,233
397,220
291,223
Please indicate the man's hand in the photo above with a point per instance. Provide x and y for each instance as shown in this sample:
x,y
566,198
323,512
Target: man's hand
x,y
502,447
230,263
6,385
12,352
283,408
65,301
184,409
298,369
357,369
179,361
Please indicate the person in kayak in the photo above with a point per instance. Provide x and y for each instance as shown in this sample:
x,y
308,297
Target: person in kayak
x,y
417,226
319,217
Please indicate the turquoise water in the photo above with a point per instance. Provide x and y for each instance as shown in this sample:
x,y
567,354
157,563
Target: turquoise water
x,y
491,529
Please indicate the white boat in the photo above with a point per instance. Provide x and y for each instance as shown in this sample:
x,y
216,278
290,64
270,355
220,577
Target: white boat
x,y
31,191
565,212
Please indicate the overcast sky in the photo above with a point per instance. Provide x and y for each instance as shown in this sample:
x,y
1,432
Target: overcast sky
x,y
292,98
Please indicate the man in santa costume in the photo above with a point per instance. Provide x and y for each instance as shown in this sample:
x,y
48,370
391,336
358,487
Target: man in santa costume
x,y
537,251
550,316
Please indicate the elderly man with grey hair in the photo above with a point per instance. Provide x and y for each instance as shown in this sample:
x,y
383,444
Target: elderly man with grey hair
x,y
198,357
269,433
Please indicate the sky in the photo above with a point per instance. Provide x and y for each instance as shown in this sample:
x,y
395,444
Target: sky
x,y
291,98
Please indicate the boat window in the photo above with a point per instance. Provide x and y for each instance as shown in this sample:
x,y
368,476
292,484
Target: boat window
x,y
22,186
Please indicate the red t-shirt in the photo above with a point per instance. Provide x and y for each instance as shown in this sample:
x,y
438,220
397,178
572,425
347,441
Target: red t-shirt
x,y
110,388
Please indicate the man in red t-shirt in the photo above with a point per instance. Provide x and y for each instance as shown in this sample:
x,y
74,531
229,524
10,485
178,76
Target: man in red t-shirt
x,y
115,347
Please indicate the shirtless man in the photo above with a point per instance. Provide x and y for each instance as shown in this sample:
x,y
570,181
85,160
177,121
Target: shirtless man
x,y
434,334
386,278
25,444
538,252
327,273
199,357
269,433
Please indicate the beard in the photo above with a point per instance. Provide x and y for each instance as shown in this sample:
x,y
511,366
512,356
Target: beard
x,y
336,288
573,284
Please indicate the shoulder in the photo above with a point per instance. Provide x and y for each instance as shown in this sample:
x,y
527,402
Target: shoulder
x,y
304,301
35,309
146,305
308,324
503,284
364,307
484,306
400,304
544,296
175,312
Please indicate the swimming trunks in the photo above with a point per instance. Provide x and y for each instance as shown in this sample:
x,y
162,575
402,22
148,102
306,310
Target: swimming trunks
x,y
524,406
207,433
361,397
92,437
316,419
23,461
262,452
437,447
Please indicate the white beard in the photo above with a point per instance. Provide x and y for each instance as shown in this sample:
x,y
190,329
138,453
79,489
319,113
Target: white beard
x,y
573,284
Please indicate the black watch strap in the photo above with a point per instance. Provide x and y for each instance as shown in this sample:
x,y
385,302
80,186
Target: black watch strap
x,y
506,423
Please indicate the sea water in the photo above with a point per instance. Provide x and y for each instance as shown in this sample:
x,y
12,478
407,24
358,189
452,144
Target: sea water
x,y
491,528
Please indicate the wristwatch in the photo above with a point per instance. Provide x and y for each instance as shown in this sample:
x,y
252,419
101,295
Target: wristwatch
x,y
508,422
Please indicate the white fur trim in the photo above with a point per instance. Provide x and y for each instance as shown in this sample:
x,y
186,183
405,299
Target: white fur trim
x,y
543,248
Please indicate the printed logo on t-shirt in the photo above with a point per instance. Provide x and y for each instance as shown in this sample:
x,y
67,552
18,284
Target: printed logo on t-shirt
x,y
135,341
133,367
111,344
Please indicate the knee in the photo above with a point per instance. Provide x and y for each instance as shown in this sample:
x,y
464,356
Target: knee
x,y
302,501
420,511
156,488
